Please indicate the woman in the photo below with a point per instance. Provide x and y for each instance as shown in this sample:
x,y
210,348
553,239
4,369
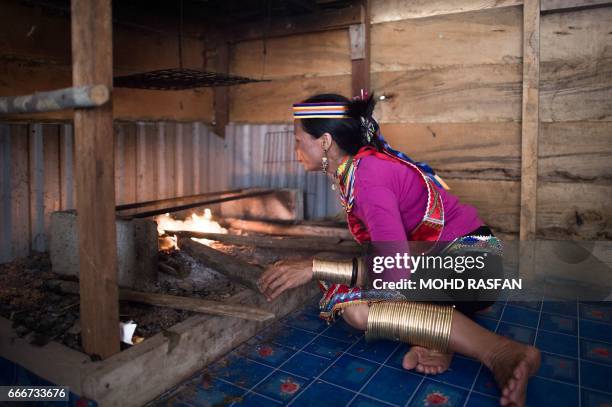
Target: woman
x,y
390,198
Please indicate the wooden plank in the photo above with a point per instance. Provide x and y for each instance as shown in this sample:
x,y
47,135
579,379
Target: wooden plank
x,y
563,36
5,194
360,52
393,10
498,207
52,189
93,63
315,54
571,5
574,211
20,194
232,267
270,102
66,167
575,92
576,80
449,40
292,243
37,188
479,93
320,21
575,152
182,303
287,230
530,119
486,151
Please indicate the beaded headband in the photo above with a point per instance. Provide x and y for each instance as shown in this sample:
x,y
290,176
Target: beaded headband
x,y
321,110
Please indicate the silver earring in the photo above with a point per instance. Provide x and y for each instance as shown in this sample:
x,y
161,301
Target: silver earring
x,y
324,161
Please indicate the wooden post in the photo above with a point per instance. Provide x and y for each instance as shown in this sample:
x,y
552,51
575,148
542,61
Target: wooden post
x,y
221,93
530,129
92,63
359,35
530,118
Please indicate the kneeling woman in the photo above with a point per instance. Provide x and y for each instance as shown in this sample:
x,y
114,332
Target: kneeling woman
x,y
390,198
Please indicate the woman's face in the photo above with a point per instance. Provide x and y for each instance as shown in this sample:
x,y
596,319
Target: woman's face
x,y
309,150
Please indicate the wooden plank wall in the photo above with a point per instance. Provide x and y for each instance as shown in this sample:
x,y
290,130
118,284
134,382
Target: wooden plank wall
x,y
35,55
575,149
453,71
153,160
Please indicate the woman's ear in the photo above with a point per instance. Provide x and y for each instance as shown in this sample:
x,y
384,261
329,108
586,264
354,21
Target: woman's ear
x,y
326,141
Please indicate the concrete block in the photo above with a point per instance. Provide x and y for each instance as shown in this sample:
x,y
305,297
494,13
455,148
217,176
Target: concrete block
x,y
136,249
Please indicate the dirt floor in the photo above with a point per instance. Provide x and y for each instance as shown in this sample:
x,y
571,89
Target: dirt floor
x,y
41,314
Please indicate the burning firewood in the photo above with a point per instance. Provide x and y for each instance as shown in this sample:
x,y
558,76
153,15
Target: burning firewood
x,y
232,267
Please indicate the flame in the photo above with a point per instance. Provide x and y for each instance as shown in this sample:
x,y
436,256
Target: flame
x,y
195,223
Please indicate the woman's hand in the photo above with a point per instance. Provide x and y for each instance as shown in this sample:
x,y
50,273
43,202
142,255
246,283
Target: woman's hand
x,y
283,275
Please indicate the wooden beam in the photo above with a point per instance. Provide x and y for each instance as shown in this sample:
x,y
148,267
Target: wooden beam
x,y
290,243
233,268
530,118
68,98
280,27
551,6
189,204
395,10
271,228
173,301
360,51
529,137
221,93
92,63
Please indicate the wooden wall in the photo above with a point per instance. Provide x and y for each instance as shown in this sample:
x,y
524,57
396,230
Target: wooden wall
x,y
453,71
35,55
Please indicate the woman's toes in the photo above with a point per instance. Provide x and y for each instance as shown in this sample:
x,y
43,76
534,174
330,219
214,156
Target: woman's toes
x,y
420,368
410,360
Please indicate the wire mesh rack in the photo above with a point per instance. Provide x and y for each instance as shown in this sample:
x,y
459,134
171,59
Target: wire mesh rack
x,y
178,79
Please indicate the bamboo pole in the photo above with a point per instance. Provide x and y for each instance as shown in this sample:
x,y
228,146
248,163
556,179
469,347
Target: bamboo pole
x,y
67,98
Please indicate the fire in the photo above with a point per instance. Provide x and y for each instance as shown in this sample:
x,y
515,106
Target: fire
x,y
194,223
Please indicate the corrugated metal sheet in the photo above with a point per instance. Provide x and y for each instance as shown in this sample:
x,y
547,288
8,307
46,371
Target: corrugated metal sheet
x,y
263,156
153,160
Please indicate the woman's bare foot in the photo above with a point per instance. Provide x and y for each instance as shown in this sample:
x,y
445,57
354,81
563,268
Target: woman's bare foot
x,y
512,364
428,361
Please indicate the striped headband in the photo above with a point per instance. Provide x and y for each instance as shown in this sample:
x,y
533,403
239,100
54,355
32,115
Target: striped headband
x,y
322,110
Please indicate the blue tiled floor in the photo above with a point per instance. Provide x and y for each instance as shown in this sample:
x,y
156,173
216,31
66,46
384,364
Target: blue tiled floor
x,y
303,362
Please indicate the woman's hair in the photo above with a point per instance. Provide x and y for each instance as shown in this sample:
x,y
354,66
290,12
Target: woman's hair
x,y
349,133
